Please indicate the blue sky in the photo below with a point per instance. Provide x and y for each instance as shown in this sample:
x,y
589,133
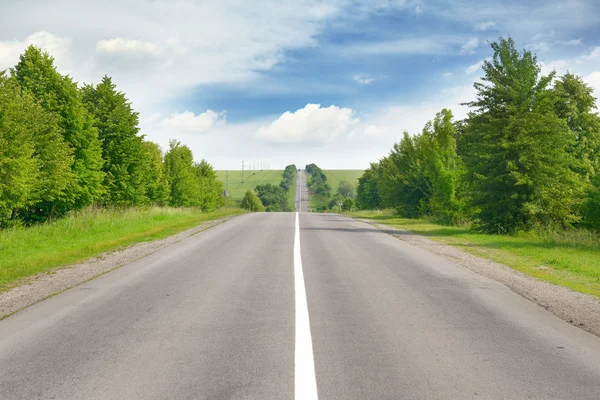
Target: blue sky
x,y
299,81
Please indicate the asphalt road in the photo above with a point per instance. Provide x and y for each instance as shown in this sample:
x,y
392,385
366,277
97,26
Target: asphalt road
x,y
301,199
219,316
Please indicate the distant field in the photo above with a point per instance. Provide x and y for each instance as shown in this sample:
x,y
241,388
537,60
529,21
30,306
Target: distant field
x,y
237,189
334,176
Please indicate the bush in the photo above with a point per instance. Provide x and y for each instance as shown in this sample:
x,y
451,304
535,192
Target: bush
x,y
251,202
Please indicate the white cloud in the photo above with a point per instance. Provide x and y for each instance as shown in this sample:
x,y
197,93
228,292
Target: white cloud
x,y
311,124
572,42
189,123
558,65
57,46
418,10
363,79
470,70
447,74
430,45
485,26
128,47
593,54
593,80
470,46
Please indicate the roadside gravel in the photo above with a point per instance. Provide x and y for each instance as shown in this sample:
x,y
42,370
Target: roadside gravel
x,y
578,309
46,284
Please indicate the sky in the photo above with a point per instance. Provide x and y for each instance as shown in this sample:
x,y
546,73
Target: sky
x,y
295,81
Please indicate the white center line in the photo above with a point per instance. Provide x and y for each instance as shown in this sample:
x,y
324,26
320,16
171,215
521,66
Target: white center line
x,y
305,381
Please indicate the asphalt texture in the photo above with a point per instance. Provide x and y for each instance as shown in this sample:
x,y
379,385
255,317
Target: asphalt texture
x,y
212,317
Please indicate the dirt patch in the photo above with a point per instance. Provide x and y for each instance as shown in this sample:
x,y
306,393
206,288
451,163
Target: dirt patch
x,y
43,285
581,310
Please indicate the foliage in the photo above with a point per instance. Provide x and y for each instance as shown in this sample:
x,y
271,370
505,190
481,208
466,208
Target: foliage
x,y
60,96
347,189
118,131
251,202
367,192
272,197
516,148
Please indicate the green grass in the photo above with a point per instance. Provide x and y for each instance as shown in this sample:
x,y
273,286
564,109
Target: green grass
x,y
334,176
45,247
237,189
291,195
568,258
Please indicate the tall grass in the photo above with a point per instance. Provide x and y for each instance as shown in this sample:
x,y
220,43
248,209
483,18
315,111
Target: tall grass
x,y
28,251
569,258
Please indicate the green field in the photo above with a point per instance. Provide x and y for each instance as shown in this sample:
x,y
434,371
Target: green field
x,y
40,248
568,258
334,176
237,189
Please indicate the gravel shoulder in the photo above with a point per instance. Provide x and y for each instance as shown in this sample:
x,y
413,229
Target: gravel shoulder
x,y
47,284
581,310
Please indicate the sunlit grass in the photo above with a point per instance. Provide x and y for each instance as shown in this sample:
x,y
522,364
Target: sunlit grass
x,y
237,189
568,258
28,251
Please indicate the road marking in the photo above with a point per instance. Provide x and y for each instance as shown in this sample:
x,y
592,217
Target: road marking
x,y
305,380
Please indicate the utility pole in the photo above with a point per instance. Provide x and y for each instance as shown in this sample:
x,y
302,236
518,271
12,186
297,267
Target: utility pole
x,y
242,171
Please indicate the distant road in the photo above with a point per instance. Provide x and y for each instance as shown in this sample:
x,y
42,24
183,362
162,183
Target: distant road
x,y
263,308
301,201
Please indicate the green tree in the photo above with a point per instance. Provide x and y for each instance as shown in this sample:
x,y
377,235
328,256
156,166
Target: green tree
x,y
118,130
367,192
516,148
251,202
272,197
35,162
153,170
346,189
210,187
181,175
59,95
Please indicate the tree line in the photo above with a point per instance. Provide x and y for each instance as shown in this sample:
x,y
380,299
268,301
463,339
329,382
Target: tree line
x,y
65,147
269,197
526,157
321,191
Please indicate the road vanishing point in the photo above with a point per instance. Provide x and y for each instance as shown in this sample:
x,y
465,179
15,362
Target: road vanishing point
x,y
294,306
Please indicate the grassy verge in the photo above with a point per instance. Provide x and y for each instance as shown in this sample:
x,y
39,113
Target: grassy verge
x,y
569,258
237,189
291,195
28,251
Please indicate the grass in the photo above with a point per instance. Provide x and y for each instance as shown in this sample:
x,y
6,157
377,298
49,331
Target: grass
x,y
42,248
568,258
237,189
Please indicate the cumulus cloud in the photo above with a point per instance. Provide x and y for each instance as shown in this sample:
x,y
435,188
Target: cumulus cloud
x,y
593,80
190,123
470,46
57,46
311,124
363,79
484,26
559,66
572,42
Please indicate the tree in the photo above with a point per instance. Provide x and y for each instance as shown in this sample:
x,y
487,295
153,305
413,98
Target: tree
x,y
209,186
251,202
153,170
35,162
516,148
181,175
348,204
346,189
272,197
367,192
118,130
59,95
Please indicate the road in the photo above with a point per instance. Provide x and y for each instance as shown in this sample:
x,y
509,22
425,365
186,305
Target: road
x,y
301,198
233,313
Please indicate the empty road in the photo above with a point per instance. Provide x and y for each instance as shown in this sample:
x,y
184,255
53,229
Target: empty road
x,y
284,306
